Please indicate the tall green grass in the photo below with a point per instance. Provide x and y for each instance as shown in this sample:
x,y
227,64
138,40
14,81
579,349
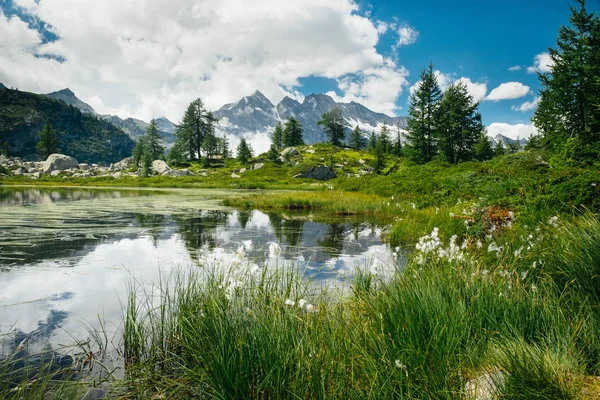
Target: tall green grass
x,y
428,333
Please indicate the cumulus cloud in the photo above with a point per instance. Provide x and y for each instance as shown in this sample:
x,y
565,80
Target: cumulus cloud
x,y
541,63
407,36
528,105
515,68
477,90
508,91
517,131
147,59
386,81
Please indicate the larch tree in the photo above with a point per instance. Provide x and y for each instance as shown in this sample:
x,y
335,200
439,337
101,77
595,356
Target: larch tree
x,y
460,124
332,123
48,141
567,114
152,142
422,121
292,133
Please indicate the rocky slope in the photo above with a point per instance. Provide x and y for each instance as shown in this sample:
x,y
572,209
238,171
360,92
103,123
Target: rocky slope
x,y
135,128
81,135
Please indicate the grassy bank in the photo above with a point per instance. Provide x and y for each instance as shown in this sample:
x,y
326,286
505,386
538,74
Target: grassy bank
x,y
520,312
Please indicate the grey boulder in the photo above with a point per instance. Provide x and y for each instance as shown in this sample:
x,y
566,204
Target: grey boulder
x,y
59,162
159,167
178,172
321,173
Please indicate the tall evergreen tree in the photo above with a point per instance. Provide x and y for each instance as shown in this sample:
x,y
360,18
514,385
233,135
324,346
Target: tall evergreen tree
x,y
397,145
332,123
372,146
48,141
379,162
152,142
461,125
357,142
384,139
277,136
570,90
138,152
292,133
244,151
422,121
483,147
224,148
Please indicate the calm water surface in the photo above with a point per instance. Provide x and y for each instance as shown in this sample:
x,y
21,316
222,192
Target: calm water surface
x,y
69,256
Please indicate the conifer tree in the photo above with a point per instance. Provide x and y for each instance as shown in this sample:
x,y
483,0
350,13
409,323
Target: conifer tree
x,y
332,123
357,142
422,121
460,124
152,141
273,154
48,141
384,139
483,147
244,152
397,145
570,90
372,146
379,162
277,137
292,133
138,152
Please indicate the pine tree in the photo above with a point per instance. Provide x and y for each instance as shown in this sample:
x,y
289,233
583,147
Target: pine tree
x,y
357,142
483,148
146,164
397,145
570,91
461,125
277,136
273,154
372,146
331,122
292,133
422,121
176,154
379,162
224,148
384,139
244,152
152,141
138,152
48,141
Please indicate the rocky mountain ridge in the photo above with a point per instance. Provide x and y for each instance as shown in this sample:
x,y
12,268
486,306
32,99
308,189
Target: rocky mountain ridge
x,y
256,114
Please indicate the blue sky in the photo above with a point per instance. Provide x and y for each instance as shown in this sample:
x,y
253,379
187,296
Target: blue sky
x,y
479,39
147,59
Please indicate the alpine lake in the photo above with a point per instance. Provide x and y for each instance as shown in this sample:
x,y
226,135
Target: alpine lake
x,y
69,257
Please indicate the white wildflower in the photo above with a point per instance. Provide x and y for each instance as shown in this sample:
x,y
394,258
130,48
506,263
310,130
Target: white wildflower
x,y
274,250
414,206
302,303
552,221
290,302
479,244
399,364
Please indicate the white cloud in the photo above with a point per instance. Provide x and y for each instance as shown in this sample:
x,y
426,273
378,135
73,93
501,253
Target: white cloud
x,y
377,88
508,91
520,131
407,36
541,63
528,105
515,68
476,90
145,59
